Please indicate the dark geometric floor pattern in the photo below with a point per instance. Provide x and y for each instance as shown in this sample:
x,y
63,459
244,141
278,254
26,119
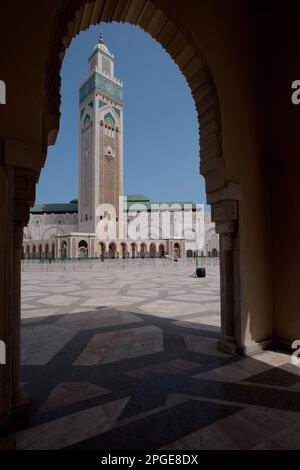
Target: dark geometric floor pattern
x,y
133,364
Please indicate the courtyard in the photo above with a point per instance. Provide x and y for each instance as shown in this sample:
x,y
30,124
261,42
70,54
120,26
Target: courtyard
x,y
123,355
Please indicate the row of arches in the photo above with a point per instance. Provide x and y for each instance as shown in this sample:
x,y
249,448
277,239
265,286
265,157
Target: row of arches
x,y
102,249
125,250
111,250
214,253
38,251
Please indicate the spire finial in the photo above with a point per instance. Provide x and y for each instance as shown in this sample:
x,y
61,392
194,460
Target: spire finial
x,y
101,38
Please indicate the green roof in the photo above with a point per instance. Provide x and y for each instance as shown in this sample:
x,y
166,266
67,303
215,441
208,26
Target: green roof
x,y
71,207
137,198
140,199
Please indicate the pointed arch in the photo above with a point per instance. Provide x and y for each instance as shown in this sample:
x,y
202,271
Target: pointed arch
x,y
76,16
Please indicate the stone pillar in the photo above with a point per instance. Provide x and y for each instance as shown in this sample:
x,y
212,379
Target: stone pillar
x,y
20,403
6,210
24,191
227,341
92,248
225,215
73,255
17,188
20,164
57,247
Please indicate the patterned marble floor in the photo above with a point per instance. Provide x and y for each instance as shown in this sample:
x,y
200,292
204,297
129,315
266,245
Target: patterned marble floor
x,y
125,358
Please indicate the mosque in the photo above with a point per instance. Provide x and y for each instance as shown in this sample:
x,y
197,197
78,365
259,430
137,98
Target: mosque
x,y
102,222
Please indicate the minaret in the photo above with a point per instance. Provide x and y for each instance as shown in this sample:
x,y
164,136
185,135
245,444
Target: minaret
x,y
101,138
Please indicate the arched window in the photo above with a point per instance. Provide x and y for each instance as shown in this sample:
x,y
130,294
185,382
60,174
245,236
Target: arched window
x,y
83,249
133,250
176,250
214,252
161,251
124,250
152,250
143,250
112,250
109,128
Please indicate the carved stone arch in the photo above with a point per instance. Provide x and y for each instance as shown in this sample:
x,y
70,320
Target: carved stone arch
x,y
112,250
143,249
133,248
123,249
152,250
161,250
177,250
77,15
154,17
51,231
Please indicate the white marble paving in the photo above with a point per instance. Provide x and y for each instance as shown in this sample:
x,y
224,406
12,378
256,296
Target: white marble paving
x,y
58,300
112,301
251,428
114,308
170,309
245,368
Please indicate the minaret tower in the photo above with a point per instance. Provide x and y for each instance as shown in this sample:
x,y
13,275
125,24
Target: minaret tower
x,y
101,138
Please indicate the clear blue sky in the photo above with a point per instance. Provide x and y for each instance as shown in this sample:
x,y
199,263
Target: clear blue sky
x,y
161,145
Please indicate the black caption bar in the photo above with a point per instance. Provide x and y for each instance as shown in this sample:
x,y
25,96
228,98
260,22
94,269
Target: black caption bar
x,y
89,460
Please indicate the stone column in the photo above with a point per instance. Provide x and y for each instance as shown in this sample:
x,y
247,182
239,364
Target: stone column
x,y
20,403
92,249
17,194
57,247
20,164
227,342
225,214
6,210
